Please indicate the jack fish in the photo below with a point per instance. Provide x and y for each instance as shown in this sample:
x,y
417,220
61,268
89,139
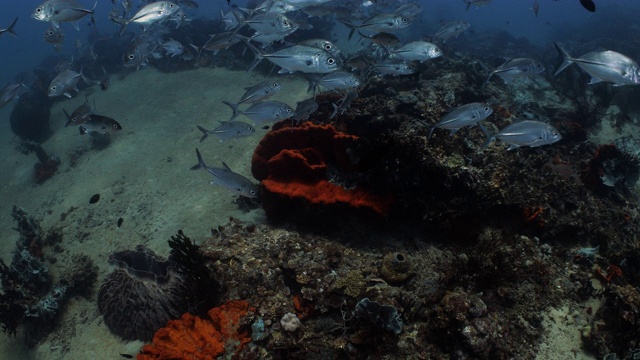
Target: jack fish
x,y
608,66
229,180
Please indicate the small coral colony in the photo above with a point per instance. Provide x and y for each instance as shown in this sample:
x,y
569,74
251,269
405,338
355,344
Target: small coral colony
x,y
387,236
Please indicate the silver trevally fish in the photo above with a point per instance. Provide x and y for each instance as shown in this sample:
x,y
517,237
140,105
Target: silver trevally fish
x,y
64,82
410,10
260,91
516,69
476,3
10,92
228,130
395,68
325,45
150,14
451,29
345,103
383,22
306,59
57,11
338,80
229,180
270,23
418,51
608,66
463,116
262,112
173,47
530,133
99,124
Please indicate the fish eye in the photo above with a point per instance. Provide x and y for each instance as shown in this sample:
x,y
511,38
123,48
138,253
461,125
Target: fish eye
x,y
285,22
39,10
54,87
405,20
50,32
115,126
327,47
486,108
131,56
331,61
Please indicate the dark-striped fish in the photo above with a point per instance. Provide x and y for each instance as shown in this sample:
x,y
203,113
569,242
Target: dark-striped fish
x,y
99,124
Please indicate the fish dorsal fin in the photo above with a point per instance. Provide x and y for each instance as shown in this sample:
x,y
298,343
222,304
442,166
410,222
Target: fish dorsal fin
x,y
225,166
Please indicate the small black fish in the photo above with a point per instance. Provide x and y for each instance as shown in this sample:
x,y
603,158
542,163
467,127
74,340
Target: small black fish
x,y
589,5
120,221
94,199
128,356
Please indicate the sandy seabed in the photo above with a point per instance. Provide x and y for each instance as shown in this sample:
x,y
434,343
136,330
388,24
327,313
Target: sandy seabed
x,y
142,176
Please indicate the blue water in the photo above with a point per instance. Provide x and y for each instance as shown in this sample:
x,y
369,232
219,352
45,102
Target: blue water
x,y
557,21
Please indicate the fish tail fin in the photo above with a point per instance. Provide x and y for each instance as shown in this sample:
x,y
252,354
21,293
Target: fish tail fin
x,y
198,50
362,36
200,164
352,29
68,118
235,109
10,28
123,24
431,128
335,111
259,55
487,80
566,59
205,133
489,140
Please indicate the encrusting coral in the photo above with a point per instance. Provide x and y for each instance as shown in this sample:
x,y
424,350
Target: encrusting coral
x,y
192,337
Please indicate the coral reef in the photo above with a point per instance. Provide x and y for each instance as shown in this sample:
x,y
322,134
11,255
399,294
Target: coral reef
x,y
617,323
29,297
146,290
311,168
456,301
192,337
